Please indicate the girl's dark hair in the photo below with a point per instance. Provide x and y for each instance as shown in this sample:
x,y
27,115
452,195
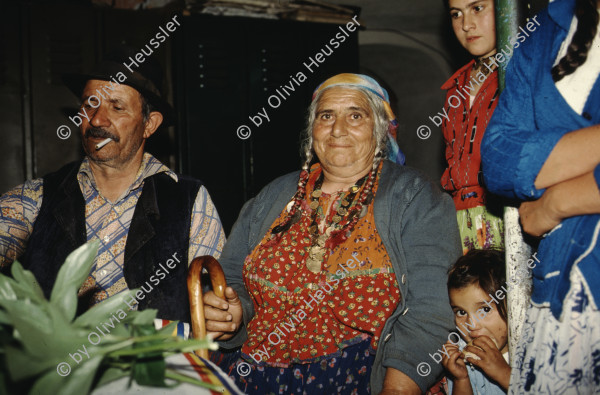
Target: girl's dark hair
x,y
587,27
485,268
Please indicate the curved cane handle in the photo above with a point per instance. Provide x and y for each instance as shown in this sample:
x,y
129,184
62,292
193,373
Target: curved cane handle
x,y
194,283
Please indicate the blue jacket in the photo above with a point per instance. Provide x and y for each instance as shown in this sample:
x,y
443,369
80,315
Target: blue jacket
x,y
530,119
417,224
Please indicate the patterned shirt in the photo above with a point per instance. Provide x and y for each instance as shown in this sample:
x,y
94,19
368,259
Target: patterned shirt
x,y
107,222
463,130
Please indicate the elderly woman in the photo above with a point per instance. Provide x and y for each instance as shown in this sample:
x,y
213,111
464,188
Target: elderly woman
x,y
338,272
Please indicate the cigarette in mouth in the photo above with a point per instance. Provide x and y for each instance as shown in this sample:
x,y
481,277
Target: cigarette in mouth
x,y
103,143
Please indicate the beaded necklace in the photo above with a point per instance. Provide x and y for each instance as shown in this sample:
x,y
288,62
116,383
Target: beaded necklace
x,y
342,222
347,216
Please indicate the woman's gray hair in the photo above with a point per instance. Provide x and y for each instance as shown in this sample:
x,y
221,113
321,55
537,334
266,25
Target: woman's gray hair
x,y
380,127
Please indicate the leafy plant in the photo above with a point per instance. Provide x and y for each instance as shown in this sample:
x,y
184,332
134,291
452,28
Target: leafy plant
x,y
45,348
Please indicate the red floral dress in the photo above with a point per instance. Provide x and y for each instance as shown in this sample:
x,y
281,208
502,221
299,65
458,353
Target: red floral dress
x,y
302,316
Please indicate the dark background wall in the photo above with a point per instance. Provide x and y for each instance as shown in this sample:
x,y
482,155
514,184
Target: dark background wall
x,y
220,71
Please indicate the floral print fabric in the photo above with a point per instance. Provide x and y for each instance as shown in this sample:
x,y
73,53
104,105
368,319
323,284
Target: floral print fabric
x,y
347,374
560,357
302,317
480,229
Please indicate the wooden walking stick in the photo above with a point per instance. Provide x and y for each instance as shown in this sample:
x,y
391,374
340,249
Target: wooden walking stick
x,y
194,284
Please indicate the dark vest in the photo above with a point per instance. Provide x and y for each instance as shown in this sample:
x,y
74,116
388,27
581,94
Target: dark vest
x,y
160,227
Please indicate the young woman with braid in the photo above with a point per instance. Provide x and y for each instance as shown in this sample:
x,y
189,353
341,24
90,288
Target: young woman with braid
x,y
470,101
543,146
333,270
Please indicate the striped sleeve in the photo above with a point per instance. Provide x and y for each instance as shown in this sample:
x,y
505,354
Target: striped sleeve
x,y
206,232
19,208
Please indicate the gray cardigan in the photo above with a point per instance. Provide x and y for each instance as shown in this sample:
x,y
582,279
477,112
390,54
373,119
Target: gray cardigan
x,y
417,224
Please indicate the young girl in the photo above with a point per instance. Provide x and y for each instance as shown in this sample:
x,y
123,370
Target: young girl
x,y
482,366
543,146
470,101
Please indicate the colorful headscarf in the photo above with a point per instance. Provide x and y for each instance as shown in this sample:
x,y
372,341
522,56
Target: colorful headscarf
x,y
368,83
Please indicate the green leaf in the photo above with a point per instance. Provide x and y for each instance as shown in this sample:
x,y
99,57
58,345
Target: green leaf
x,y
79,381
111,374
31,322
104,310
9,387
23,365
3,382
25,283
4,318
149,367
38,336
120,331
42,331
70,277
173,374
150,370
65,338
7,291
144,317
169,344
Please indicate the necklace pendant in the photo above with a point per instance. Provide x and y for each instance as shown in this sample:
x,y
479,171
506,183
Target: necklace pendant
x,y
314,204
363,211
313,265
317,193
315,257
342,211
336,218
354,188
316,253
321,242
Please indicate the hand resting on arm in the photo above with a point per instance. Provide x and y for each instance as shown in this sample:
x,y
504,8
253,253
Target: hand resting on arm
x,y
575,154
577,196
568,175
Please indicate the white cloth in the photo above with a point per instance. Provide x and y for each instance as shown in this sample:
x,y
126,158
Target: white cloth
x,y
575,88
559,357
181,365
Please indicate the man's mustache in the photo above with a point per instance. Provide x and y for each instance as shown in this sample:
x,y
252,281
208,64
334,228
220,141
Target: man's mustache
x,y
100,133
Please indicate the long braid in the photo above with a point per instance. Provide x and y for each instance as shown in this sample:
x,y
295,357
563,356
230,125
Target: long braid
x,y
379,156
308,155
587,27
294,215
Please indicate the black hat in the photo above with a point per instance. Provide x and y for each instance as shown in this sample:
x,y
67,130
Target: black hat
x,y
145,77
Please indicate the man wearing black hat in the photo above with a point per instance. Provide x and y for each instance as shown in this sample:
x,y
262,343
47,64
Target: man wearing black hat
x,y
150,222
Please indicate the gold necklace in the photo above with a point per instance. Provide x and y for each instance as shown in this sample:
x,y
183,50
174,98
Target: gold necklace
x,y
317,251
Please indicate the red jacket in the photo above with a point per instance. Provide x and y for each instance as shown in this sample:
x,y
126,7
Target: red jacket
x,y
463,130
